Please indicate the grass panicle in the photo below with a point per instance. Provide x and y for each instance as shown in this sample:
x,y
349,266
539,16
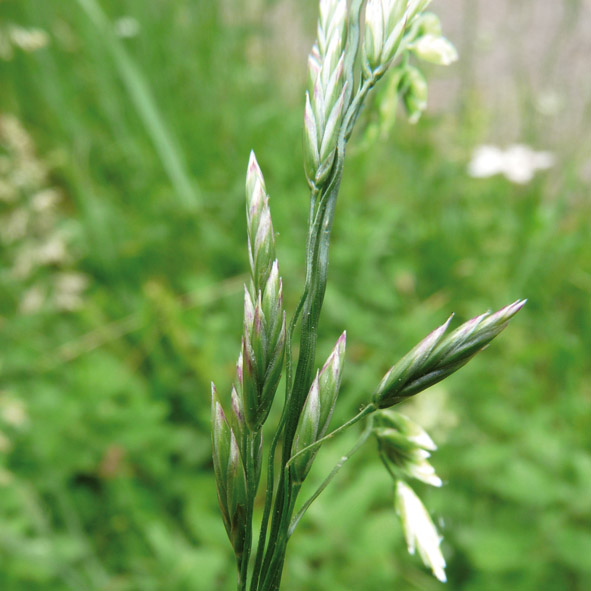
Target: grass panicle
x,y
395,32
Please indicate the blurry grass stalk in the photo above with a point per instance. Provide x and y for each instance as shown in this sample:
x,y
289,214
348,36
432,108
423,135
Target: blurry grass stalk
x,y
344,65
185,188
112,331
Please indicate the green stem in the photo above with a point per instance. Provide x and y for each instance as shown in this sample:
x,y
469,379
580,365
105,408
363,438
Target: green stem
x,y
316,278
276,565
360,442
310,306
364,412
251,489
318,246
395,476
273,577
288,363
356,106
274,560
266,513
318,267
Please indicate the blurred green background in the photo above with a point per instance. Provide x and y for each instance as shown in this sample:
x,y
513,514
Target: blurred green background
x,y
125,128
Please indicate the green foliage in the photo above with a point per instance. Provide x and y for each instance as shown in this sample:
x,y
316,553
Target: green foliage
x,y
106,480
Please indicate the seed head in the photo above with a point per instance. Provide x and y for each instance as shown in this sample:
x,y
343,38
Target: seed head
x,y
325,99
307,433
318,409
435,49
263,350
436,357
404,447
419,530
385,23
261,237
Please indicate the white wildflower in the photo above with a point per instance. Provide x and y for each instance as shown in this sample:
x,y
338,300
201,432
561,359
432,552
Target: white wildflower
x,y
13,412
53,251
419,530
486,161
14,225
45,200
28,39
518,163
30,230
521,163
68,291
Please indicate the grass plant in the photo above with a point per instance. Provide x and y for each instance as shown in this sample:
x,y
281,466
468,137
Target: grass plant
x,y
106,478
346,62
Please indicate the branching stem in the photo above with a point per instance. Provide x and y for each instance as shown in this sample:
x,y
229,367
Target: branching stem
x,y
362,439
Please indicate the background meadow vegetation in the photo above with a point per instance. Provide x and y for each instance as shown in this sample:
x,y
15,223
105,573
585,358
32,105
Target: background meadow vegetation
x,y
125,128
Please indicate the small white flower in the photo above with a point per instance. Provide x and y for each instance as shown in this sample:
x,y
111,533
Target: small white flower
x,y
69,288
53,251
28,39
13,412
486,161
45,200
419,530
521,163
518,163
15,225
